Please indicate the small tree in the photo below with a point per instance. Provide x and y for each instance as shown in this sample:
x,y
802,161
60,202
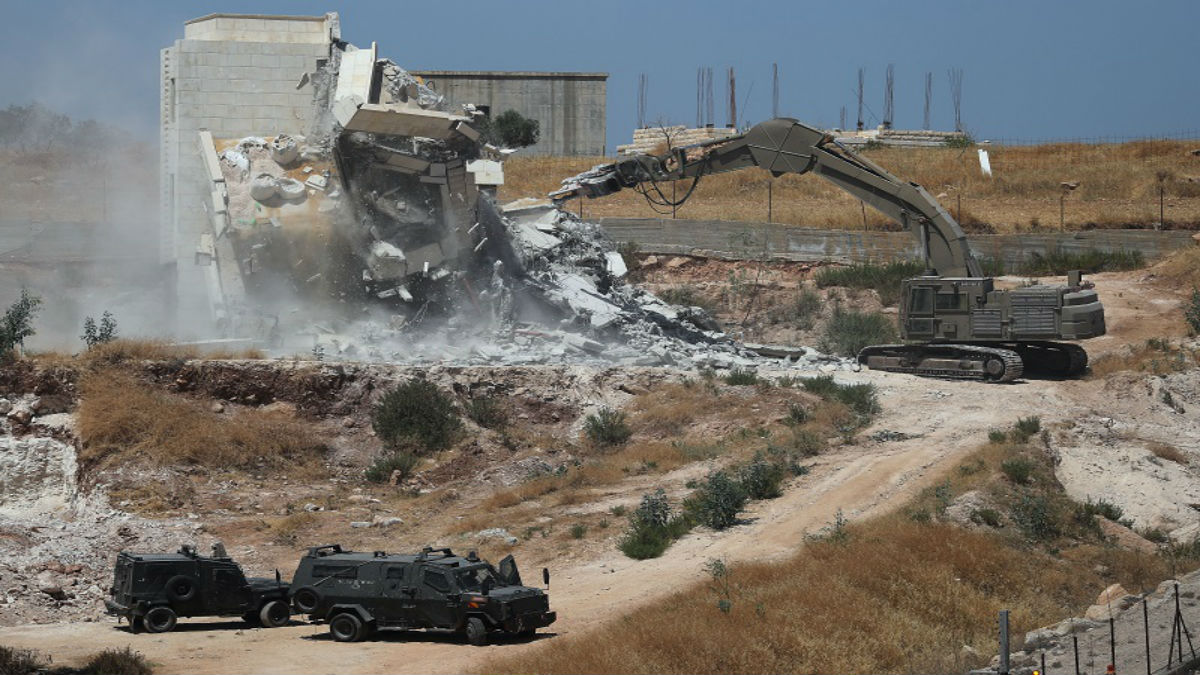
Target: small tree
x,y
511,129
105,332
17,323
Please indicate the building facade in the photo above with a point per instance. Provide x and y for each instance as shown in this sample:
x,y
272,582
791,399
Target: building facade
x,y
570,107
234,76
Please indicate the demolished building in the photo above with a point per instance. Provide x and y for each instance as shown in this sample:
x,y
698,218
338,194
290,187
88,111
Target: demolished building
x,y
365,226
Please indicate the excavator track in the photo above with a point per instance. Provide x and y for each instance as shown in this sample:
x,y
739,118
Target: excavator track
x,y
1056,359
949,361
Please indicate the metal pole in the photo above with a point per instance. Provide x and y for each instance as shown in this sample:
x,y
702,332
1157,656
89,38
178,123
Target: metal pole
x,y
1146,626
1003,642
769,184
958,216
1062,200
673,200
1043,670
1112,642
1074,640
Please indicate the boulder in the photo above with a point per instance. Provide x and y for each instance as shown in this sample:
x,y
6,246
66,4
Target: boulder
x,y
1039,639
1124,537
5,406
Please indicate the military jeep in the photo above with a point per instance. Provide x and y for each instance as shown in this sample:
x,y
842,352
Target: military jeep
x,y
152,590
359,593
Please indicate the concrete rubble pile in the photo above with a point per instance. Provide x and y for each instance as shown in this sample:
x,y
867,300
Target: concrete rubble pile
x,y
377,237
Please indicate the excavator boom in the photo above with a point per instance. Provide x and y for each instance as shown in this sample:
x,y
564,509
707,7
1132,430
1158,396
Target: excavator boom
x,y
783,146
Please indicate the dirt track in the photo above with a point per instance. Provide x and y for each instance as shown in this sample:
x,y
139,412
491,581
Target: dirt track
x,y
945,421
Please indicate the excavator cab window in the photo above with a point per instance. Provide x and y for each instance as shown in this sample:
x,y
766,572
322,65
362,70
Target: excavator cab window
x,y
921,300
951,302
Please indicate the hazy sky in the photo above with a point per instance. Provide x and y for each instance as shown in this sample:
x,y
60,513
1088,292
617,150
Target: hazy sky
x,y
1031,69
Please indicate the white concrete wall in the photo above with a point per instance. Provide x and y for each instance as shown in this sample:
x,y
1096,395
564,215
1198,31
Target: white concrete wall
x,y
258,28
234,88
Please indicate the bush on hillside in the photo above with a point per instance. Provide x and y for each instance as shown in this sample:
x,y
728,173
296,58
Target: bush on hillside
x,y
416,413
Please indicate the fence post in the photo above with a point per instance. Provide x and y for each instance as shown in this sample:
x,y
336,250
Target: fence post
x,y
1003,642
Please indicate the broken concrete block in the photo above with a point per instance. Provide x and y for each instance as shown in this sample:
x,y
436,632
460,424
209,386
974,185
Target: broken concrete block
x,y
486,172
583,344
290,189
615,264
284,150
264,187
317,181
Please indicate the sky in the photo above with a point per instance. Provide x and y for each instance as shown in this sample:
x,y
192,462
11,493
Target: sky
x,y
1031,69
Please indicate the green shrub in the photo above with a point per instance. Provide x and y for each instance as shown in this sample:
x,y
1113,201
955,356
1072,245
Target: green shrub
x,y
1029,425
651,527
416,412
848,331
487,412
578,531
381,469
1104,508
861,398
607,427
997,436
800,312
717,502
644,543
115,661
761,479
740,378
883,279
17,322
1155,535
1018,469
989,517
1191,312
1036,518
797,415
1058,261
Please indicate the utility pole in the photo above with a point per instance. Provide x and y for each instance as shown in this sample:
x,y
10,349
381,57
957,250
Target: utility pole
x,y
732,100
889,90
774,90
861,80
928,98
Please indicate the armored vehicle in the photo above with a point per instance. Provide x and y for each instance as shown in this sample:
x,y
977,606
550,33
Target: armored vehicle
x,y
152,590
358,593
954,322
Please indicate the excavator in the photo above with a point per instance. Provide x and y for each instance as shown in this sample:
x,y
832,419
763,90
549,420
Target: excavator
x,y
953,321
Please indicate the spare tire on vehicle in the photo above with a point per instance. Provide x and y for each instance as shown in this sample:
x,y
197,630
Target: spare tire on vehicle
x,y
181,588
306,599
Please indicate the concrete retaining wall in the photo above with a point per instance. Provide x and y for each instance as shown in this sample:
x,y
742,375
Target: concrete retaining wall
x,y
742,241
569,107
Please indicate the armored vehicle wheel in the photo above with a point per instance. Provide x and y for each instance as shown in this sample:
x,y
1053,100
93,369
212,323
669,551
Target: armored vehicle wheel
x,y
476,631
160,620
274,614
306,599
181,588
346,627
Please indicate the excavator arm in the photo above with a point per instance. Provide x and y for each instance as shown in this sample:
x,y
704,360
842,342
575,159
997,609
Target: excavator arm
x,y
782,146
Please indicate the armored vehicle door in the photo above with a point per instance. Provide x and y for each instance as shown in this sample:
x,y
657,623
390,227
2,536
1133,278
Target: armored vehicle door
x,y
399,588
437,598
508,571
228,591
920,322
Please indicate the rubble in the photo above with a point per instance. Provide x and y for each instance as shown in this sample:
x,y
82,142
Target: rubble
x,y
378,237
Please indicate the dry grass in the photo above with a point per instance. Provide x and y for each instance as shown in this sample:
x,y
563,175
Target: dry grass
x,y
1181,271
893,596
284,530
1168,452
122,418
679,424
1118,187
1158,357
